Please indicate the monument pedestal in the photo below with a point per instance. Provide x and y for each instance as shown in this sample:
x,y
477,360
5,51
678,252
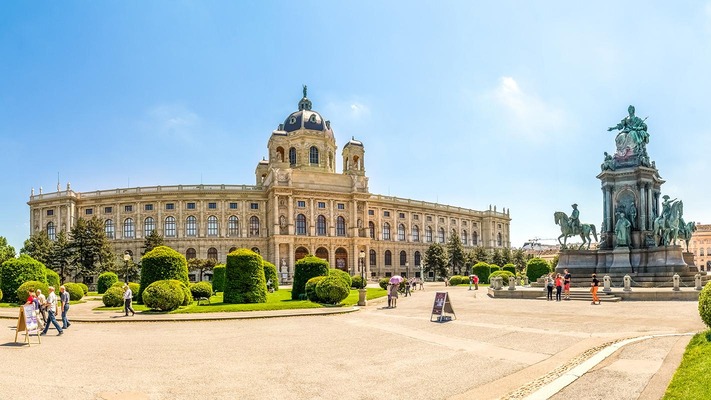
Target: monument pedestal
x,y
620,260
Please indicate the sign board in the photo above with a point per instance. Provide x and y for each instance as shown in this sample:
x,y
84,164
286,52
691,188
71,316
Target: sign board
x,y
441,307
27,322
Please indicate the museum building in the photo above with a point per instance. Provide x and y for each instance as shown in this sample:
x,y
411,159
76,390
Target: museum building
x,y
700,246
298,205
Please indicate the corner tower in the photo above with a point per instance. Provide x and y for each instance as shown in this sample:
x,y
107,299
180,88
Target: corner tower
x,y
353,158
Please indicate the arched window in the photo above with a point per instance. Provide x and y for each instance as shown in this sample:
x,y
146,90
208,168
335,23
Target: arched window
x,y
254,226
313,155
108,228
212,253
356,163
212,226
233,226
340,226
388,258
498,239
149,225
255,249
403,258
129,230
418,258
440,236
428,234
301,224
191,226
415,233
280,154
701,251
300,253
292,156
51,231
169,227
373,258
322,253
190,253
233,248
371,228
475,238
386,231
321,225
465,238
401,232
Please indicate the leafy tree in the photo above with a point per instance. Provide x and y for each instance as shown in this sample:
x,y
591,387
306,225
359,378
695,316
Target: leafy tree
x,y
6,251
519,259
506,256
497,258
38,246
91,248
152,241
554,262
455,251
436,260
202,265
62,256
481,255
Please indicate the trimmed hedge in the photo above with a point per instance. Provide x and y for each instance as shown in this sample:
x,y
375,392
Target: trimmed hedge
x,y
75,291
458,280
342,276
358,282
201,289
16,271
332,289
482,269
270,273
509,267
24,290
311,288
84,288
505,275
244,278
113,297
0,294
105,281
164,295
384,282
537,267
218,278
131,285
52,278
705,304
305,269
162,263
187,295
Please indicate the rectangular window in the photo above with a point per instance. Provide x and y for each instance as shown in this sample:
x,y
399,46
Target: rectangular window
x,y
464,223
416,217
386,213
233,206
321,204
429,218
108,210
499,226
301,204
128,208
191,206
402,215
89,211
341,206
371,212
254,206
441,220
212,206
50,213
148,207
169,206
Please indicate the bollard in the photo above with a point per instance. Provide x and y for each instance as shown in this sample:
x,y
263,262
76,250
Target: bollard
x,y
512,283
525,280
607,282
697,282
498,283
628,283
676,282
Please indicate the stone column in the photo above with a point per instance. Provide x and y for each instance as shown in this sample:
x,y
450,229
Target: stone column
x,y
277,230
290,218
641,207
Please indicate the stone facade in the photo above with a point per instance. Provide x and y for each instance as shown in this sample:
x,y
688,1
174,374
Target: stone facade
x,y
299,205
700,246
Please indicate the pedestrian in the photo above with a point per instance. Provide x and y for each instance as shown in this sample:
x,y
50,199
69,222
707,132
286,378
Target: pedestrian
x,y
51,312
558,287
593,289
549,286
390,298
446,281
421,281
566,284
393,295
64,297
414,285
42,305
127,298
476,282
471,281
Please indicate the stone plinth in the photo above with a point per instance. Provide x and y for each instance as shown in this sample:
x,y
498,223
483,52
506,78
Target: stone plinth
x,y
620,260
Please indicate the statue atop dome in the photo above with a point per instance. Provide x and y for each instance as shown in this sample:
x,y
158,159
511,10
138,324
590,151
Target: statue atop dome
x,y
305,88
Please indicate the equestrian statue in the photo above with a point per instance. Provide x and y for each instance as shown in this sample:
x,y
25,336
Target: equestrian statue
x,y
666,227
572,227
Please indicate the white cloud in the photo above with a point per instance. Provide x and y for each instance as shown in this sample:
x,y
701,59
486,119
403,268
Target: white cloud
x,y
359,110
175,121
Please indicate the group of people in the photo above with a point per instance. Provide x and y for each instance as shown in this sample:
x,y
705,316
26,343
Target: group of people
x,y
45,308
561,283
408,287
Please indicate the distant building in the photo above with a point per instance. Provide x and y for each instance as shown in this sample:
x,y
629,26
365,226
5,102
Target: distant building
x,y
299,205
700,246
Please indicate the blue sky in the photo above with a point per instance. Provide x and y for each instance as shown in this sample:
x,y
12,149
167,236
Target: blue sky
x,y
501,103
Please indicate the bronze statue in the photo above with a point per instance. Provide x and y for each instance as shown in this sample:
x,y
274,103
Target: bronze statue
x,y
633,136
622,231
583,230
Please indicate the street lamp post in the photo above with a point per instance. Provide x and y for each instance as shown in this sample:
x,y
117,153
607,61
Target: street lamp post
x,y
126,259
407,270
362,291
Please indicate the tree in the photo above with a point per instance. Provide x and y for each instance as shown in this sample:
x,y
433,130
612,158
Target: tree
x,y
62,256
6,251
455,252
91,248
152,241
202,265
497,258
436,260
506,256
38,246
519,259
481,255
554,261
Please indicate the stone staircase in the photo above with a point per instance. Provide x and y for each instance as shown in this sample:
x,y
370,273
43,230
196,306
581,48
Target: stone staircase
x,y
586,296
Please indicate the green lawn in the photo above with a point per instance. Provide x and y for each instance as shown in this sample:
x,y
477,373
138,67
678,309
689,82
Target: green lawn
x,y
693,377
8,305
279,300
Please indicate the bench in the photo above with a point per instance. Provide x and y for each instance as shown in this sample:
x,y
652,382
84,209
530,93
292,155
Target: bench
x,y
202,298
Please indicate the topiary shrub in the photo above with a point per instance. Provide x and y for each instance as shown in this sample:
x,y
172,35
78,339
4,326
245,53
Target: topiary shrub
x,y
164,295
505,275
162,263
509,267
24,290
270,274
537,267
52,278
187,295
84,288
135,287
342,276
384,282
218,278
311,288
16,271
458,280
705,304
244,278
201,289
0,294
358,282
305,269
332,289
105,281
75,291
482,270
113,297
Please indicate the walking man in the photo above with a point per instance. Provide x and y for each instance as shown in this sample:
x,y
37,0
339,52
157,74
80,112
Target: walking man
x,y
51,312
566,284
127,298
64,297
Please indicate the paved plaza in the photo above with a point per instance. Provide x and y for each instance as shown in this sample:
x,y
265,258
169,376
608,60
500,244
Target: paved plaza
x,y
496,348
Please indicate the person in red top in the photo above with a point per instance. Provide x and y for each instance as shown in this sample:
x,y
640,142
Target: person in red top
x,y
558,287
